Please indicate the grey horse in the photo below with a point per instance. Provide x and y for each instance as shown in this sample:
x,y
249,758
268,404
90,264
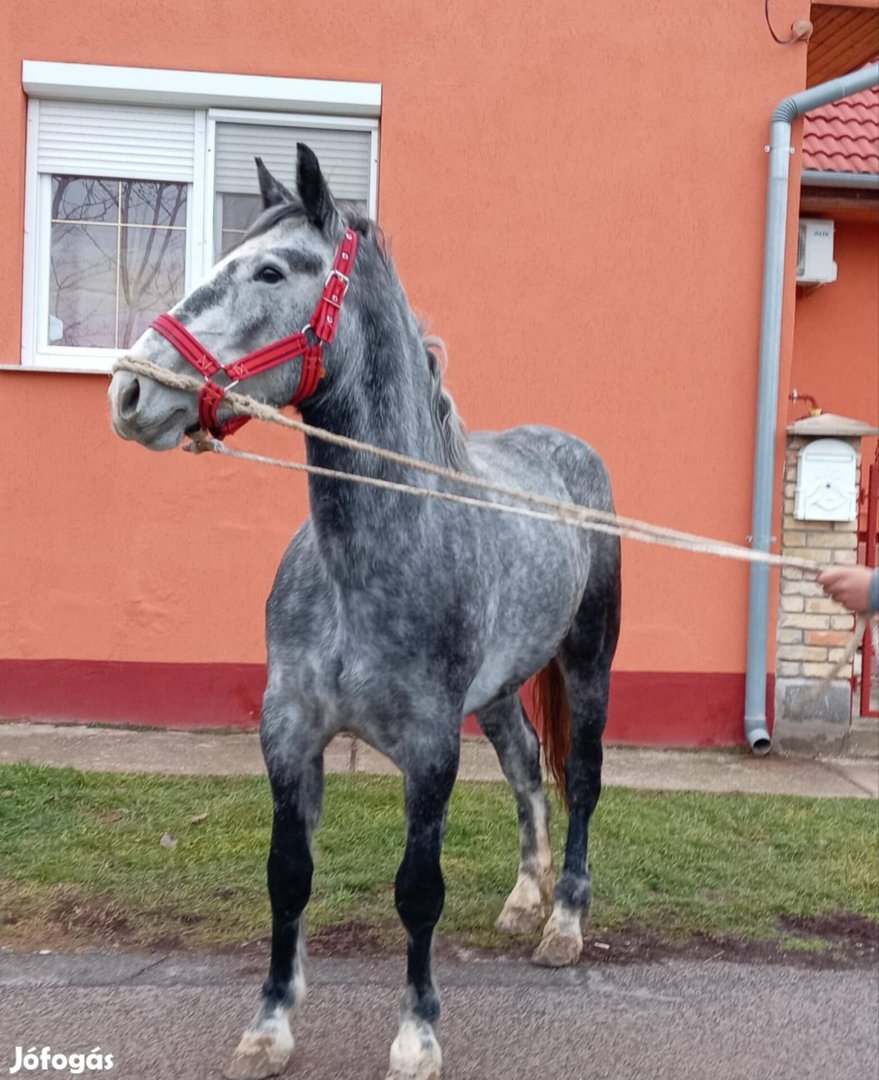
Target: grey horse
x,y
391,616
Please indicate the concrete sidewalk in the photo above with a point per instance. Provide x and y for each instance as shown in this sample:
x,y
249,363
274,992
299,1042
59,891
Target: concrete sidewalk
x,y
177,1017
185,753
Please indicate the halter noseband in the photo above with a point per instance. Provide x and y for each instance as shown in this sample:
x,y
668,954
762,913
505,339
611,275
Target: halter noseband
x,y
323,325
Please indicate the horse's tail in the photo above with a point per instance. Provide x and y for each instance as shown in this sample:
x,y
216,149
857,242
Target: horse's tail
x,y
552,716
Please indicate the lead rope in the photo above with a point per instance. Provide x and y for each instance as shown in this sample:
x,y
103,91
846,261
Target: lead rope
x,y
556,510
560,516
564,512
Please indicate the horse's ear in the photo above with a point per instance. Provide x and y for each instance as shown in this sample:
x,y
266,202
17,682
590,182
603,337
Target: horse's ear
x,y
312,187
273,191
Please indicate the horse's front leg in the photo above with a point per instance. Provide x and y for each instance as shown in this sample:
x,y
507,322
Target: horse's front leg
x,y
419,893
297,786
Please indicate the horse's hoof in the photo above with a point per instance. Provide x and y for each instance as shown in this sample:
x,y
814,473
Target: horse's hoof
x,y
558,949
428,1072
519,920
415,1053
258,1056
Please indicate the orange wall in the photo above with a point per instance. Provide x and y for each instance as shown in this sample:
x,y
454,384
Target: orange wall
x,y
615,147
836,340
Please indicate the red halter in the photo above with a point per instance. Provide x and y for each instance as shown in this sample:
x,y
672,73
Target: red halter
x,y
323,325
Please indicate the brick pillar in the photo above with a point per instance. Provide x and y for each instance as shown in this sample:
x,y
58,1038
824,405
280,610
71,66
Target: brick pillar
x,y
813,631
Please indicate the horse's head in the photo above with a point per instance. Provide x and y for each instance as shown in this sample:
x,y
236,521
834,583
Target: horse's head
x,y
262,291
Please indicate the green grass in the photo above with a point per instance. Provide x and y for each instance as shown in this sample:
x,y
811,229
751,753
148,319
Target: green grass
x,y
805,945
81,859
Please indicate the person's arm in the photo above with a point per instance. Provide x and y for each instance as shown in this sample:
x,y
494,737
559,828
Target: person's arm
x,y
856,587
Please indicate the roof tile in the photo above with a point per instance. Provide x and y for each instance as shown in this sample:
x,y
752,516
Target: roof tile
x,y
844,135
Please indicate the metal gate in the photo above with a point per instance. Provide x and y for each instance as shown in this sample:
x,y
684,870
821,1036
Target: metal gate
x,y
869,688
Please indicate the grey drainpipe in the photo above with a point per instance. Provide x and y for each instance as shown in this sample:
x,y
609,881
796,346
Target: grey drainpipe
x,y
756,730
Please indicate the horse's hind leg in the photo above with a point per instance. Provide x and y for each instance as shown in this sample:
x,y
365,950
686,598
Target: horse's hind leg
x,y
518,751
419,893
295,767
585,658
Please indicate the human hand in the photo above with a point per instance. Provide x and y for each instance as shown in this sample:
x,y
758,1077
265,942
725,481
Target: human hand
x,y
849,585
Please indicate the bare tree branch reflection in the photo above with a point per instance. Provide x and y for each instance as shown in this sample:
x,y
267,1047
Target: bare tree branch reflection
x,y
117,258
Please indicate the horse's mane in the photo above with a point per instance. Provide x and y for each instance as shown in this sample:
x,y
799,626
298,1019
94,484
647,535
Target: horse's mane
x,y
446,419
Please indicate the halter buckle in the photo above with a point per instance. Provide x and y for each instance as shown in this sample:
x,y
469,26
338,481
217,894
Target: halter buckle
x,y
334,299
335,272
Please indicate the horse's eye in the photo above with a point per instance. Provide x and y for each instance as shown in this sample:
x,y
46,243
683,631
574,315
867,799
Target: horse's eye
x,y
269,275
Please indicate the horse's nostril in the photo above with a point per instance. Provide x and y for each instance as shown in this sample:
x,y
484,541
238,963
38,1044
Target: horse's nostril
x,y
129,398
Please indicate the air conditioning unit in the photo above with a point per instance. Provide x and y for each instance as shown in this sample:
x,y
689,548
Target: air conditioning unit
x,y
815,265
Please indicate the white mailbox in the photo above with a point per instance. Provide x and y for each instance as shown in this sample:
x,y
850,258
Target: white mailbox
x,y
827,482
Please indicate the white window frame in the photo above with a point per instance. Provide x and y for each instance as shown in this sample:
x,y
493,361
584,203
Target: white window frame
x,y
214,98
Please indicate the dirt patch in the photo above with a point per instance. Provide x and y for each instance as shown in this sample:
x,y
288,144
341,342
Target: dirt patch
x,y
836,941
354,939
839,941
854,935
69,919
80,917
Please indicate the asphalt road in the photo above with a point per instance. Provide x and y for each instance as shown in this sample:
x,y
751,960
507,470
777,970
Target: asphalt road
x,y
176,1018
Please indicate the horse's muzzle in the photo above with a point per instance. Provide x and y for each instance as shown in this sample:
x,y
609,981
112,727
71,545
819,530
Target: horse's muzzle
x,y
138,413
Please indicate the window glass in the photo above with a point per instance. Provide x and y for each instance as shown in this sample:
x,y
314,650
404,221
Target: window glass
x,y
152,267
237,214
77,198
117,258
82,286
148,202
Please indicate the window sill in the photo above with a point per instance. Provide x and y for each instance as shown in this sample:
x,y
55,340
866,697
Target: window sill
x,y
57,369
